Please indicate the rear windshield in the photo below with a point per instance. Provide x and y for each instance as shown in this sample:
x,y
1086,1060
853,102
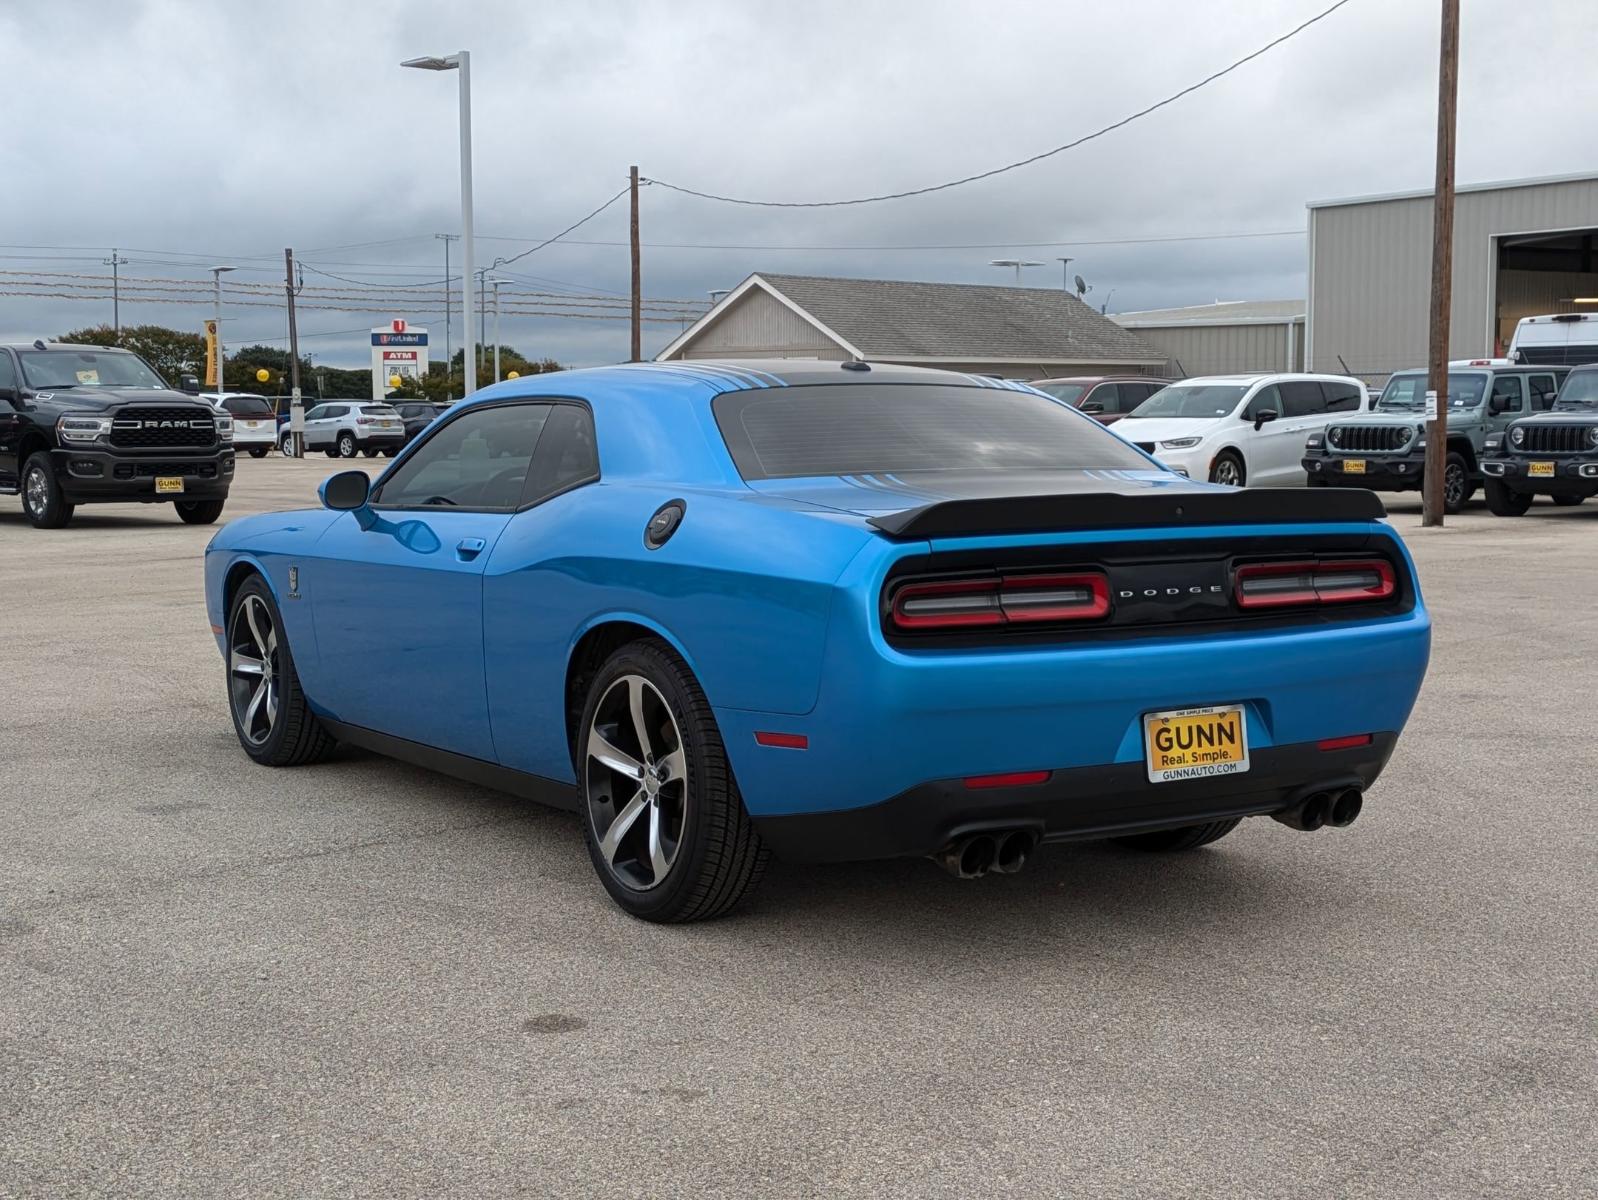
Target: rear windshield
x,y
1580,391
247,406
1192,400
378,410
887,429
1406,391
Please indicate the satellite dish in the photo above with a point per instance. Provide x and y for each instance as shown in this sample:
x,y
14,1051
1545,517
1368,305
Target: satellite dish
x,y
1082,288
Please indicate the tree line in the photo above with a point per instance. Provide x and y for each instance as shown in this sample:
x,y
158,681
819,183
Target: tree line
x,y
175,353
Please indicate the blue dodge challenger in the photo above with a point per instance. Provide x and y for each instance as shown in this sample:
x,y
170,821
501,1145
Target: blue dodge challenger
x,y
824,610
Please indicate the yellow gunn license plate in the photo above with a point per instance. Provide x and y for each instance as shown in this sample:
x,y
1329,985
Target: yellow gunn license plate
x,y
1193,743
167,484
1541,470
1353,466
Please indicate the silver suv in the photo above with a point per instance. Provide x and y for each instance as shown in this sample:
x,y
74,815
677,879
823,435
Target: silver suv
x,y
344,428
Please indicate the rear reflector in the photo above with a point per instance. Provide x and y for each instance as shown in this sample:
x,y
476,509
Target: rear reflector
x,y
1012,779
1278,584
1345,743
784,741
1000,600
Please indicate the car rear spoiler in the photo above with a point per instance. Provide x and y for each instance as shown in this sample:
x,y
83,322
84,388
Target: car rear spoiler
x,y
1119,510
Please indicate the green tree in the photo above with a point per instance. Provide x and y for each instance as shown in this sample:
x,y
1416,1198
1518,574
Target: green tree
x,y
171,352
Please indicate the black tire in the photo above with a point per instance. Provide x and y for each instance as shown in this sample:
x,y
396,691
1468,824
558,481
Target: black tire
x,y
1568,501
332,452
1457,485
1190,837
717,859
199,512
369,453
390,453
345,445
294,735
1504,502
42,501
257,451
285,445
1228,469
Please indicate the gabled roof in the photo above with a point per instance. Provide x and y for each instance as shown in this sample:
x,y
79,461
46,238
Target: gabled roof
x,y
945,322
1222,312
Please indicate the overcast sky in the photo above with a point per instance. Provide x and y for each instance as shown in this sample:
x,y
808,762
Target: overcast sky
x,y
191,133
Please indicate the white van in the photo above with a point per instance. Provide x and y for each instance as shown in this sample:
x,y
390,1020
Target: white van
x,y
1242,430
1557,340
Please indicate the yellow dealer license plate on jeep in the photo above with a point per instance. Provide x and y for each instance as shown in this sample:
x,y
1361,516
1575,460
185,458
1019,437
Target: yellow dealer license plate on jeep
x,y
167,484
1353,466
1194,743
1541,470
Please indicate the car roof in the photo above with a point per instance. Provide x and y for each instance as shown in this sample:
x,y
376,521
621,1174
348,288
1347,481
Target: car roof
x,y
1124,378
67,346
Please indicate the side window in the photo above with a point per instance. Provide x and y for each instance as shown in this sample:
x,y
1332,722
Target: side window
x,y
1508,393
317,413
1266,398
567,453
1303,398
8,371
1107,396
477,461
1343,397
336,410
1543,391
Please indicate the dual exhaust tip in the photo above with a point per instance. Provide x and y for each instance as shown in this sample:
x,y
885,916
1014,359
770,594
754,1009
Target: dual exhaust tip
x,y
1004,852
1338,809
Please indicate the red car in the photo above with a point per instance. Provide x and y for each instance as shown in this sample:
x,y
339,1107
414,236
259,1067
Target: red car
x,y
1106,398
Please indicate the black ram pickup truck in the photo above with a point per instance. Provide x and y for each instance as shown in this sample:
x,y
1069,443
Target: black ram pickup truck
x,y
91,425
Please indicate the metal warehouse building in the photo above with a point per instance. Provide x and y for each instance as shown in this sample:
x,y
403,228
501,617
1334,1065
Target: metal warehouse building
x,y
1521,248
1224,338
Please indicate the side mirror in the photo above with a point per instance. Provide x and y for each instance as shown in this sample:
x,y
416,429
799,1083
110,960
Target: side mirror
x,y
190,384
1497,405
1093,406
345,491
1264,415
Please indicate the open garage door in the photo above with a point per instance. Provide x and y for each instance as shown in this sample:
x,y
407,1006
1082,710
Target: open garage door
x,y
1543,273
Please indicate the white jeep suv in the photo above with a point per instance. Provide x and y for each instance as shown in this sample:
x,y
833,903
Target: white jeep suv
x,y
1242,430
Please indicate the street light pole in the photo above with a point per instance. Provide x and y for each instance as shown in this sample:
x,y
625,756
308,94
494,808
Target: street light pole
x,y
447,238
461,61
1065,274
216,273
496,281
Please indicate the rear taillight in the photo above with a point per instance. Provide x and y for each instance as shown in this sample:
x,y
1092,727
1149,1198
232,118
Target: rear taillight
x,y
363,420
989,600
1332,581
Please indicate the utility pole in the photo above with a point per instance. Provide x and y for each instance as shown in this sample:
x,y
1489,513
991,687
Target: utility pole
x,y
1442,268
449,358
296,407
114,262
482,322
638,276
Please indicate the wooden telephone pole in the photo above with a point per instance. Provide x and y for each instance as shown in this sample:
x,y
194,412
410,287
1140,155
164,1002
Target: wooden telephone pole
x,y
638,278
1442,267
296,408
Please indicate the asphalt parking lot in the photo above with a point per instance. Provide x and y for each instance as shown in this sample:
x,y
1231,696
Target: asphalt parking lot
x,y
361,979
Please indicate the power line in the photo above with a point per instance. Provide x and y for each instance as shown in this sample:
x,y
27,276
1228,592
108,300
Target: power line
x,y
505,262
1126,241
1025,162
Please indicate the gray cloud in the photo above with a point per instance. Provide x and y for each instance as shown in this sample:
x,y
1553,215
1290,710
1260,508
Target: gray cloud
x,y
231,130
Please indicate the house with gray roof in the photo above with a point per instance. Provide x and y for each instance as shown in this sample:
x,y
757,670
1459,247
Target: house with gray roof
x,y
1014,332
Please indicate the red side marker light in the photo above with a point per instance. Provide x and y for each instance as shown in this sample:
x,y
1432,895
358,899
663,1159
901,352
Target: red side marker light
x,y
1345,743
1009,779
216,629
783,741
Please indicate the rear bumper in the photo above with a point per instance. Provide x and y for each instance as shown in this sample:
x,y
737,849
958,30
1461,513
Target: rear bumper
x,y
1074,804
1575,475
1383,472
96,476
